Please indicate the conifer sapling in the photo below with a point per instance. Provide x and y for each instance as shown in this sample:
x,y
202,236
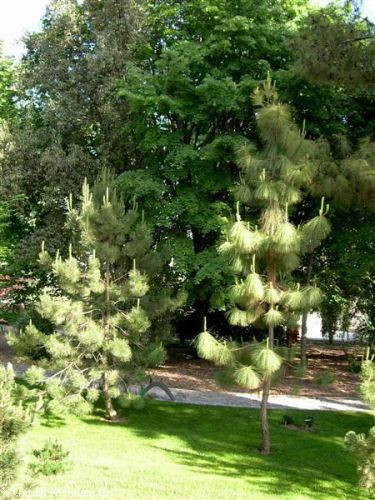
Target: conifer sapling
x,y
102,314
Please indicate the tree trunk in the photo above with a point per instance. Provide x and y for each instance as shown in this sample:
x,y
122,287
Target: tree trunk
x,y
266,444
266,440
330,336
110,411
304,317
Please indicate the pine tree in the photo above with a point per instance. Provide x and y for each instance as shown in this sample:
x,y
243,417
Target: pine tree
x,y
17,407
264,255
108,316
361,445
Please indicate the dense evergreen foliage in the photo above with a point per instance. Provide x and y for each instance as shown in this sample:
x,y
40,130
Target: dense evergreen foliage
x,y
17,407
110,309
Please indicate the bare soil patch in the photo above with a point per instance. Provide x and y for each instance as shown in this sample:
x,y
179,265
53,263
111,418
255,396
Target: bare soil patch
x,y
184,371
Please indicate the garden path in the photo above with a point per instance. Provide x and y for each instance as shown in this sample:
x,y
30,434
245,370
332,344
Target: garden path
x,y
276,401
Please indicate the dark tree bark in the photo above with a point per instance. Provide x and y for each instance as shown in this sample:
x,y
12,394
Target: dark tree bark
x,y
266,440
304,316
110,411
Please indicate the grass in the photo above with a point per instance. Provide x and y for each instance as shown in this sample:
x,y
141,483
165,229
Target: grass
x,y
181,451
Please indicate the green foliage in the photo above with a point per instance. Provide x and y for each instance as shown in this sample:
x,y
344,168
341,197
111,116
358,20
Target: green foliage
x,y
317,229
296,389
368,381
17,407
345,272
300,372
130,400
266,360
273,179
246,364
361,445
71,123
188,101
7,89
327,377
246,377
336,45
364,448
103,323
49,460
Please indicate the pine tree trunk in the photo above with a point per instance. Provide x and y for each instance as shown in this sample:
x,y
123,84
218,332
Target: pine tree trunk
x,y
266,443
303,340
110,411
304,317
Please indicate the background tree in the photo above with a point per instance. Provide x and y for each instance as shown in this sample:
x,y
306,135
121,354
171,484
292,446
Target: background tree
x,y
7,88
337,45
71,124
110,321
189,108
264,255
346,272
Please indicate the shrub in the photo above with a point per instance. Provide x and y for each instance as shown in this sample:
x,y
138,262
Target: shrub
x,y
16,412
288,420
131,401
363,448
361,445
354,363
50,460
296,390
300,372
325,378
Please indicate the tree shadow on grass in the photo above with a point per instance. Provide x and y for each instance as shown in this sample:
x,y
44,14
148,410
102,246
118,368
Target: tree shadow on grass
x,y
225,441
52,421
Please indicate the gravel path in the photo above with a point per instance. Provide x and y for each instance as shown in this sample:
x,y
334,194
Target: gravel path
x,y
279,401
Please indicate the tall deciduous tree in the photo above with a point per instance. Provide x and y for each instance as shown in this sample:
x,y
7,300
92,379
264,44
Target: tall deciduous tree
x,y
71,124
103,316
263,255
7,87
189,108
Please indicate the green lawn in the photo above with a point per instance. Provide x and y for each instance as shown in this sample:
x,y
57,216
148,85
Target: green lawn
x,y
182,451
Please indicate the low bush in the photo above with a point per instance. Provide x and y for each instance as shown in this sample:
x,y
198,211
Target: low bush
x,y
325,378
50,460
